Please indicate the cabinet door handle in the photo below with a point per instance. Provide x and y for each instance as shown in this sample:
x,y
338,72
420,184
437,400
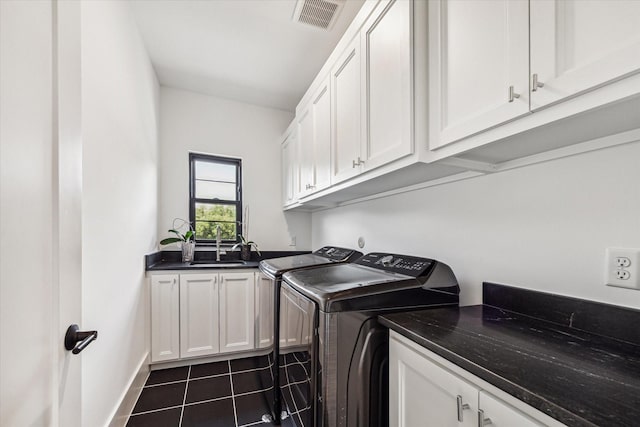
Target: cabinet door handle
x,y
512,94
482,421
357,162
461,407
536,84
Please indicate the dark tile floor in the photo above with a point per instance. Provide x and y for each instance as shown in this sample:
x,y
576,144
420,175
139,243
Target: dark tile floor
x,y
223,394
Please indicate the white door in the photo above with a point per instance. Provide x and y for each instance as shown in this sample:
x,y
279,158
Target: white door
x,y
237,308
503,415
345,87
387,88
40,211
478,66
412,377
577,45
165,317
198,314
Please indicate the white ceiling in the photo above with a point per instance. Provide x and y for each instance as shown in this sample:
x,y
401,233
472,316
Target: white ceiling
x,y
246,50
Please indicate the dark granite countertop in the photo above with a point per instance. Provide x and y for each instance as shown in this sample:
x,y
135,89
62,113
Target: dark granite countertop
x,y
576,377
178,265
172,260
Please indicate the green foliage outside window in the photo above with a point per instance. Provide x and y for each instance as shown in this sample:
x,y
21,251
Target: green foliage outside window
x,y
208,217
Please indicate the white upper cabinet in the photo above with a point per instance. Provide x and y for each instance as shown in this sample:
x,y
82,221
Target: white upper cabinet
x,y
478,66
387,84
314,134
495,65
577,45
290,168
345,86
305,146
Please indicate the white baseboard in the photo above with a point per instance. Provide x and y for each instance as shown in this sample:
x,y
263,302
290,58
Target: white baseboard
x,y
130,395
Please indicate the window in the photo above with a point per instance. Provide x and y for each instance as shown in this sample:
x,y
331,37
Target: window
x,y
215,197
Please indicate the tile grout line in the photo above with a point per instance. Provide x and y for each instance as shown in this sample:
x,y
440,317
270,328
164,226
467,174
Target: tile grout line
x,y
184,399
293,399
166,408
233,397
161,384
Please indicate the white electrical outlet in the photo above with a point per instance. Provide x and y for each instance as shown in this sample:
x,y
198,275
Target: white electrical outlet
x,y
622,267
622,262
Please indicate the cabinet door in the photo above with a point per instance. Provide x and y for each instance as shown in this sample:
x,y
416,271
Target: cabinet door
x,y
264,311
165,321
345,86
577,45
314,131
290,169
198,314
387,87
478,50
306,152
412,377
321,107
503,415
237,311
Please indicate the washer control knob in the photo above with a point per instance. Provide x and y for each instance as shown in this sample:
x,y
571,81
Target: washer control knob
x,y
386,261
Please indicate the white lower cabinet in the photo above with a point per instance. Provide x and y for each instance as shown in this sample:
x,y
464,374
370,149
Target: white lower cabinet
x,y
425,389
199,331
500,414
263,311
165,317
237,311
205,314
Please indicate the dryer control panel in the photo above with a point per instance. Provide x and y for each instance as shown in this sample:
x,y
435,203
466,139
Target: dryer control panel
x,y
337,254
401,264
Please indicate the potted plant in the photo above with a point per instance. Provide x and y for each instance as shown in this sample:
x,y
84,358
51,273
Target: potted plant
x,y
245,244
187,240
245,248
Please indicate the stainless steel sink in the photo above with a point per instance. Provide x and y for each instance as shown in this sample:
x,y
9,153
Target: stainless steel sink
x,y
221,264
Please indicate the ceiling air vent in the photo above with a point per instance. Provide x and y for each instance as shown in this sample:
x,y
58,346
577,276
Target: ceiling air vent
x,y
319,13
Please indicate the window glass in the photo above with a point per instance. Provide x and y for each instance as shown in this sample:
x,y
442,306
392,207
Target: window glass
x,y
215,197
209,216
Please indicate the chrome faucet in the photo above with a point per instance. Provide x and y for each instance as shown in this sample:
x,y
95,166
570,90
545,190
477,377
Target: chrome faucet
x,y
218,238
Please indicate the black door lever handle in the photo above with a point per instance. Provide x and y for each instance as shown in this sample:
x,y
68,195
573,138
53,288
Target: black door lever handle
x,y
77,340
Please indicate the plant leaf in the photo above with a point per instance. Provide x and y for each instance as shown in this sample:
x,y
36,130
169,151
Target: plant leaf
x,y
170,240
188,235
177,233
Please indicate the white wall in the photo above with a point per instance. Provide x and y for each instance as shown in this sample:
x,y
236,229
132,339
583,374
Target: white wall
x,y
120,96
542,227
193,122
